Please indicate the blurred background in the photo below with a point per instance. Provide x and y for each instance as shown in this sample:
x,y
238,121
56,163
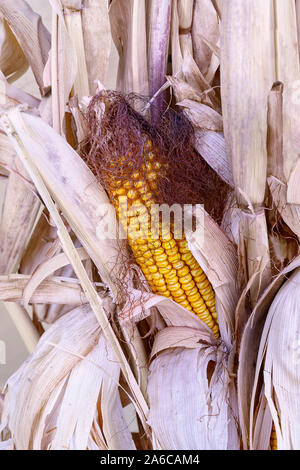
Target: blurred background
x,y
12,349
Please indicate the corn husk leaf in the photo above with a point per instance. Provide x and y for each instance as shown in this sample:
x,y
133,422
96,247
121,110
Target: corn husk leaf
x,y
202,116
63,67
158,46
53,290
77,193
13,62
245,86
205,25
85,370
281,377
128,29
249,349
189,391
97,40
31,34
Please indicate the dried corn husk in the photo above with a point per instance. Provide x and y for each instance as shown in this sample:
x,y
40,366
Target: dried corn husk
x,y
278,359
245,86
13,62
65,291
158,45
97,40
128,29
194,382
205,25
251,340
85,372
31,34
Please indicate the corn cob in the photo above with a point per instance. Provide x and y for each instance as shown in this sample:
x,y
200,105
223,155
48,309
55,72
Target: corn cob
x,y
167,263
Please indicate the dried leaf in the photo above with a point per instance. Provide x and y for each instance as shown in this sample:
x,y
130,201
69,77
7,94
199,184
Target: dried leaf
x,y
31,34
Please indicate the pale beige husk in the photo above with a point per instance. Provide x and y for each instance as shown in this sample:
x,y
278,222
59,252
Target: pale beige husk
x,y
101,351
280,340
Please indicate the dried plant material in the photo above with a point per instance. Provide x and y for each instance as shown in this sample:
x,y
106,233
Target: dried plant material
x,y
249,349
194,77
45,269
15,119
53,290
211,146
185,18
73,21
20,211
275,132
41,242
63,66
202,116
205,25
289,212
80,121
174,41
254,240
85,372
245,86
86,214
31,34
281,378
288,72
13,62
246,29
128,29
218,258
195,383
183,90
97,40
158,45
12,96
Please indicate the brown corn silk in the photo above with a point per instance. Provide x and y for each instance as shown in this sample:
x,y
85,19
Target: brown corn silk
x,y
141,165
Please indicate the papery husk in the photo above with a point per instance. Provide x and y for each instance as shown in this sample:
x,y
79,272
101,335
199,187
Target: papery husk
x,y
249,349
210,144
218,258
189,407
175,42
247,30
64,291
254,251
185,18
187,350
75,189
13,62
19,215
288,72
85,371
278,362
158,45
245,86
205,24
31,34
202,116
73,21
97,40
128,29
20,212
62,67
